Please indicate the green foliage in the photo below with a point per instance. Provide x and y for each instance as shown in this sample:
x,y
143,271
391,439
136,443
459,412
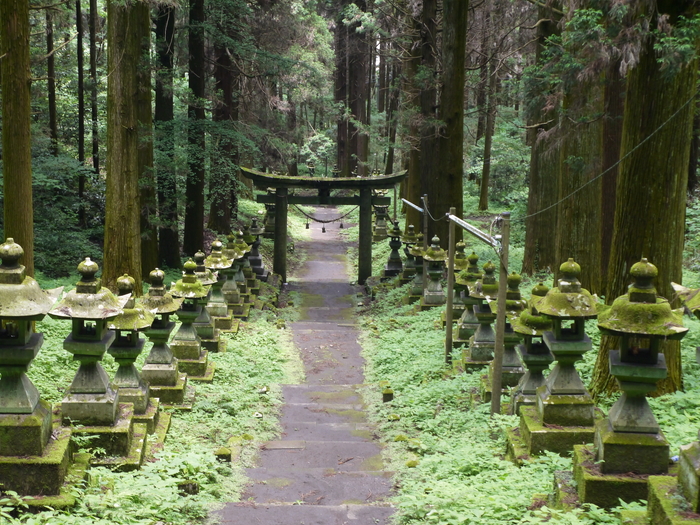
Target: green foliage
x,y
677,45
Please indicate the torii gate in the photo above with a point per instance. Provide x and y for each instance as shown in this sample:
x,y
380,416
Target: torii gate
x,y
364,200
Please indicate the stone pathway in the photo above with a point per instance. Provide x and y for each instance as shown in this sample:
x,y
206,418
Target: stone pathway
x,y
326,469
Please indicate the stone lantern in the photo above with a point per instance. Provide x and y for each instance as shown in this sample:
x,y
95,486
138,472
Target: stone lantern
x,y
30,462
217,307
460,264
409,239
204,324
232,294
161,368
127,346
26,418
256,260
381,215
335,172
564,415
465,280
533,352
629,439
394,265
186,344
251,277
483,342
243,248
90,399
415,292
436,257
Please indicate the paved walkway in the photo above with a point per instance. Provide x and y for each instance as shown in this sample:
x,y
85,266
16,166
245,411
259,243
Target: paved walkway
x,y
326,469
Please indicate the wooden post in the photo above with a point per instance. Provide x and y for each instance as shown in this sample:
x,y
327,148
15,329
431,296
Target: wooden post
x,y
426,242
450,289
279,265
500,317
364,265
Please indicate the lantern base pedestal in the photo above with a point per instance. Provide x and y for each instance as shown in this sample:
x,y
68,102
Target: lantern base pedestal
x,y
605,490
623,452
412,298
689,474
198,369
225,323
150,416
240,311
114,439
480,351
537,437
175,396
38,474
664,504
90,409
565,409
25,434
160,374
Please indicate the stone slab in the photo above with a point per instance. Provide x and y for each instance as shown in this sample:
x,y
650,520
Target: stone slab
x,y
664,503
340,455
327,394
317,486
317,413
238,513
311,431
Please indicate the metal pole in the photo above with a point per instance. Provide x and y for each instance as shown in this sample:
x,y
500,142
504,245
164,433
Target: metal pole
x,y
500,318
450,290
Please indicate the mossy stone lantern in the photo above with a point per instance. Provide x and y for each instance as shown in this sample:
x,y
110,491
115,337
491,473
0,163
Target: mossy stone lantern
x,y
256,260
25,419
243,248
128,345
186,344
161,367
512,369
380,230
460,264
533,352
415,292
204,324
630,438
563,399
434,294
483,342
217,307
394,264
270,214
409,239
232,295
465,280
91,399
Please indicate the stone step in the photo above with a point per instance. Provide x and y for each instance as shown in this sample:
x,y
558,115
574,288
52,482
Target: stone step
x,y
322,413
344,456
312,431
306,393
317,486
252,514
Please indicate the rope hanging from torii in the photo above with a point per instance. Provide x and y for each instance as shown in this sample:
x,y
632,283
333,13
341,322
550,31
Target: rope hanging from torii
x,y
324,222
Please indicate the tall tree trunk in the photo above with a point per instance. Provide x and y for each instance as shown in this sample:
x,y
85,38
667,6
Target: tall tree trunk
x,y
341,90
382,91
358,51
81,112
147,182
488,135
539,253
169,245
51,83
92,28
413,191
447,190
612,135
694,150
194,190
122,242
428,104
18,211
391,120
482,87
660,109
220,186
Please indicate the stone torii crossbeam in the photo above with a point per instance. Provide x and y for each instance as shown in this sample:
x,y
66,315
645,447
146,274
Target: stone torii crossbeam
x,y
282,199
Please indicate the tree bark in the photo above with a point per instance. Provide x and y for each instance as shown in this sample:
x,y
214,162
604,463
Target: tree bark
x,y
539,253
194,189
358,51
81,113
147,183
694,150
412,104
341,90
169,245
122,242
488,135
51,84
447,190
660,108
16,76
92,28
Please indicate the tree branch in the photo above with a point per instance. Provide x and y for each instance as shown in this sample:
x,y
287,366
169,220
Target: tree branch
x,y
60,47
538,3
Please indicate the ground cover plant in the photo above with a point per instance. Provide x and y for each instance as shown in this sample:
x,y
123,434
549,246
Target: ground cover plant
x,y
448,452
